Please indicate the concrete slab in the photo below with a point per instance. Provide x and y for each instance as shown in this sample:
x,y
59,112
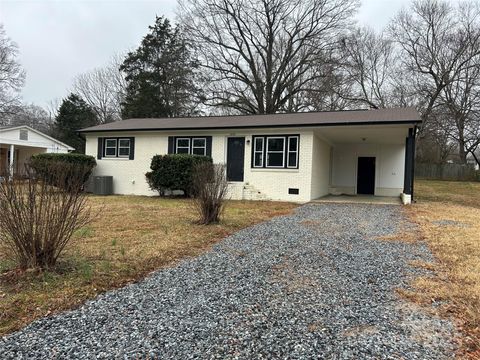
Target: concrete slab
x,y
359,199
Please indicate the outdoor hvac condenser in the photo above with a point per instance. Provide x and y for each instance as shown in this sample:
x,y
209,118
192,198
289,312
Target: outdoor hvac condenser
x,y
103,185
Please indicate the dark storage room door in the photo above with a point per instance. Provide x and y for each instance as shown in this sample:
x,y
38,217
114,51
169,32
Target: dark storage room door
x,y
235,158
366,175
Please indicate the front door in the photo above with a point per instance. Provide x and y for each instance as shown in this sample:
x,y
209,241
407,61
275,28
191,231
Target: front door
x,y
235,158
366,175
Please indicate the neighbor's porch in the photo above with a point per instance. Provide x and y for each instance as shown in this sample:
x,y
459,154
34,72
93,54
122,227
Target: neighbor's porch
x,y
365,161
16,164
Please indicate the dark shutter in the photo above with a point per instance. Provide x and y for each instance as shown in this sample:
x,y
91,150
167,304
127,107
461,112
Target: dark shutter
x,y
171,145
209,146
132,148
100,148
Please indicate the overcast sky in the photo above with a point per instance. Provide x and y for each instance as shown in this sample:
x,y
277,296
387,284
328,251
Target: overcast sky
x,y
62,38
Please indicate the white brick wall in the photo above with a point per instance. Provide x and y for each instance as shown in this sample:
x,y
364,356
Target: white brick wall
x,y
320,168
313,178
129,175
274,183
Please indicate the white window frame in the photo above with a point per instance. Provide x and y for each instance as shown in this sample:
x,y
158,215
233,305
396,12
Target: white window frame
x,y
123,147
110,147
261,151
291,151
204,147
183,147
267,152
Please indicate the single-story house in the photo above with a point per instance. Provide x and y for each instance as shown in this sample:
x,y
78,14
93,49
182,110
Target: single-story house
x,y
19,143
290,157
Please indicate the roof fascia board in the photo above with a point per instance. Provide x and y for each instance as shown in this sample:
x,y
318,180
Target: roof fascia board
x,y
362,123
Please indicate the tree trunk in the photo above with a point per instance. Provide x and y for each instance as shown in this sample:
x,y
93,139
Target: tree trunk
x,y
462,154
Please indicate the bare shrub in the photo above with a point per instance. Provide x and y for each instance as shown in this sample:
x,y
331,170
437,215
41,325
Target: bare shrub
x,y
210,188
37,219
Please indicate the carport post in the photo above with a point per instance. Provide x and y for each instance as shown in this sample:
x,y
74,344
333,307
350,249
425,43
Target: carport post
x,y
409,162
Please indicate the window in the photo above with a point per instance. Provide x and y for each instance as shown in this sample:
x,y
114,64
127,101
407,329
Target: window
x,y
199,146
124,147
183,146
190,145
258,152
110,147
275,151
292,153
116,148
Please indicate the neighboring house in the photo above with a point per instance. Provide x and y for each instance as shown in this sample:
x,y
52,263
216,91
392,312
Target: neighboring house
x,y
19,143
291,157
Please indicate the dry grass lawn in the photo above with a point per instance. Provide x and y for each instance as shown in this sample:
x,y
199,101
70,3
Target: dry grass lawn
x,y
448,214
131,236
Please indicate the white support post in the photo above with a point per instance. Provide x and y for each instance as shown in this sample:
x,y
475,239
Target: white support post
x,y
12,156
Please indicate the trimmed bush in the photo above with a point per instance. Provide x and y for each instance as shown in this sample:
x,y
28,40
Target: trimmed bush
x,y
174,172
42,165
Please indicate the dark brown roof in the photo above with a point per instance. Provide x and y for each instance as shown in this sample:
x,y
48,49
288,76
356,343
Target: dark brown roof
x,y
327,118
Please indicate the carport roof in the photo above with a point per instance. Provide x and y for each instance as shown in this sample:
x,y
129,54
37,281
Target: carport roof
x,y
305,119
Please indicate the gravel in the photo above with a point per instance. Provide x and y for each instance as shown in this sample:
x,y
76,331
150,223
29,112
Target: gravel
x,y
316,283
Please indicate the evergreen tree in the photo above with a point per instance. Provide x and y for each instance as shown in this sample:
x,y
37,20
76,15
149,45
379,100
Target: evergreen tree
x,y
73,114
160,75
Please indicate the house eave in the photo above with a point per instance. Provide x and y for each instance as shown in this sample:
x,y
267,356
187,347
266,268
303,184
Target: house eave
x,y
203,128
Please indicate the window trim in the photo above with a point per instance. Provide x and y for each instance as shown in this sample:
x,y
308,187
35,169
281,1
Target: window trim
x,y
275,152
291,151
131,144
123,147
189,147
105,147
285,152
204,147
261,151
191,139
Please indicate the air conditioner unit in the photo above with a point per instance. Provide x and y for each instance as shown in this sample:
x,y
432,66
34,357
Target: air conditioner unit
x,y
103,185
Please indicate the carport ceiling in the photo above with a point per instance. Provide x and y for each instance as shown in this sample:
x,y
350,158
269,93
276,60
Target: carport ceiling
x,y
363,134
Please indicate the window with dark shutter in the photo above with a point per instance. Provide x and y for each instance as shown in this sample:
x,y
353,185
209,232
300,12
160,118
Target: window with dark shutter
x,y
193,145
117,147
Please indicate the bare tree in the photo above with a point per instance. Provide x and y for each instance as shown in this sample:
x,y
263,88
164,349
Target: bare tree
x,y
210,187
436,145
103,89
12,76
45,216
32,115
441,51
461,98
437,42
368,69
257,52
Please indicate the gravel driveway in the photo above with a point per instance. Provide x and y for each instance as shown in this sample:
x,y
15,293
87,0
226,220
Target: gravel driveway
x,y
314,284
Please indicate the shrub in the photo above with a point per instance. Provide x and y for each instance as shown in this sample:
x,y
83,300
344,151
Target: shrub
x,y
210,186
78,173
38,219
174,172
